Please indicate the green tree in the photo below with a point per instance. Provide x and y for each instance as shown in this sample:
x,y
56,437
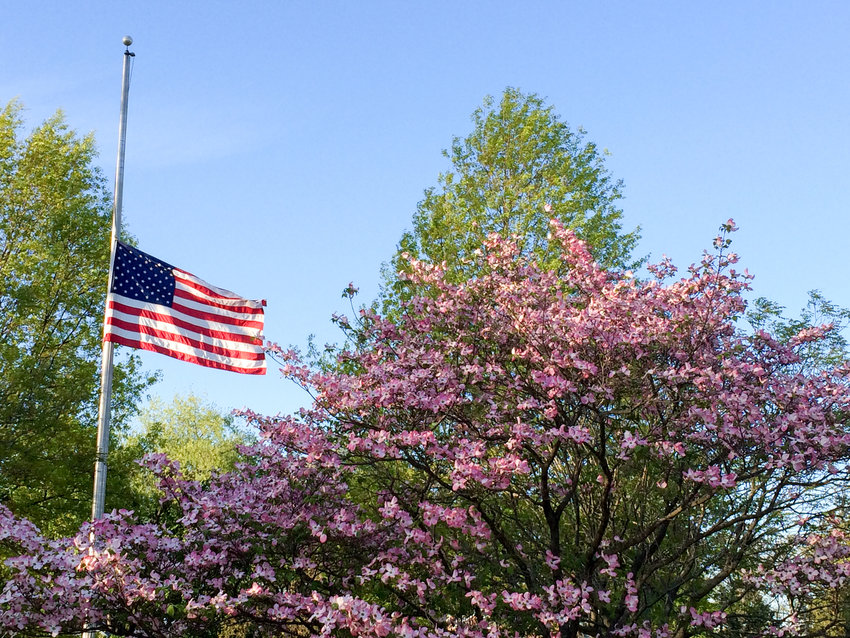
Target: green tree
x,y
520,167
191,431
54,253
770,316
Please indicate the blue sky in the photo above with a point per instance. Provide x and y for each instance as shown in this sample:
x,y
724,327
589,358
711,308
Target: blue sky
x,y
279,149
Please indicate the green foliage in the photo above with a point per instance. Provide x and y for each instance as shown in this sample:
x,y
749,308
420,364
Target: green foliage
x,y
54,253
769,316
520,167
190,431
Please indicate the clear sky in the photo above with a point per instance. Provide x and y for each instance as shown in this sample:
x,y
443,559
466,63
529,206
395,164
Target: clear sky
x,y
279,149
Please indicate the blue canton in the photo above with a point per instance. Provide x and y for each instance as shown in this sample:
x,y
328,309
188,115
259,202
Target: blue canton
x,y
142,277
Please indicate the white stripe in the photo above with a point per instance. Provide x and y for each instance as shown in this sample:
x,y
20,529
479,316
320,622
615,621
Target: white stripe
x,y
181,347
176,314
219,291
169,328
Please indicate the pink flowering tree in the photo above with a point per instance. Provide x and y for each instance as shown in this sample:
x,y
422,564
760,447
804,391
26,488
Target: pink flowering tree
x,y
529,453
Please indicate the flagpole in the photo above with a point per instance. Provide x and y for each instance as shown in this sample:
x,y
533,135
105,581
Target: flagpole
x,y
105,406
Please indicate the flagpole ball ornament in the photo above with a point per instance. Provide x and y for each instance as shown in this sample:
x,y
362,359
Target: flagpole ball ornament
x,y
127,40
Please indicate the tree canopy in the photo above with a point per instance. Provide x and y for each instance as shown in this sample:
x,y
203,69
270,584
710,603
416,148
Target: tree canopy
x,y
563,451
519,167
194,434
54,254
192,431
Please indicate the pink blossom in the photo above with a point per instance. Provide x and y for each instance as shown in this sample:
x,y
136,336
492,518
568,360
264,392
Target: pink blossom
x,y
508,456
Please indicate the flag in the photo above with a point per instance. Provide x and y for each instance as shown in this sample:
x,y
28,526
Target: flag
x,y
154,306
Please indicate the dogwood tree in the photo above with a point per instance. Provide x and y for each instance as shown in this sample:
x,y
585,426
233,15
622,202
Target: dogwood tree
x,y
569,452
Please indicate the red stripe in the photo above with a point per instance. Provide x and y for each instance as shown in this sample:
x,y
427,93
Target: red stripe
x,y
243,309
132,343
209,332
194,343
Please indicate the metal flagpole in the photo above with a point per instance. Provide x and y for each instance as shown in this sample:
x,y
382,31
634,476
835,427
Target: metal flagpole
x,y
104,409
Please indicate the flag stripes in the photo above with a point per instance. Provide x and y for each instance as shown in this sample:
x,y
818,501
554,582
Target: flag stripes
x,y
205,359
196,322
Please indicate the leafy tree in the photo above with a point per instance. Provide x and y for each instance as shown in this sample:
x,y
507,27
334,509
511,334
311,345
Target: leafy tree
x,y
574,454
54,253
193,432
520,167
829,351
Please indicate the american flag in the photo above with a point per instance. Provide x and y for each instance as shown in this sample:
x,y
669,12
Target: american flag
x,y
155,306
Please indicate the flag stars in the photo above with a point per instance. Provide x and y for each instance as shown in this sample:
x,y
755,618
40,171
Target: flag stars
x,y
142,277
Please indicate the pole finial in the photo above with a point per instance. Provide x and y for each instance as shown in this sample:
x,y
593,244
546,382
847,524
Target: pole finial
x,y
127,40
